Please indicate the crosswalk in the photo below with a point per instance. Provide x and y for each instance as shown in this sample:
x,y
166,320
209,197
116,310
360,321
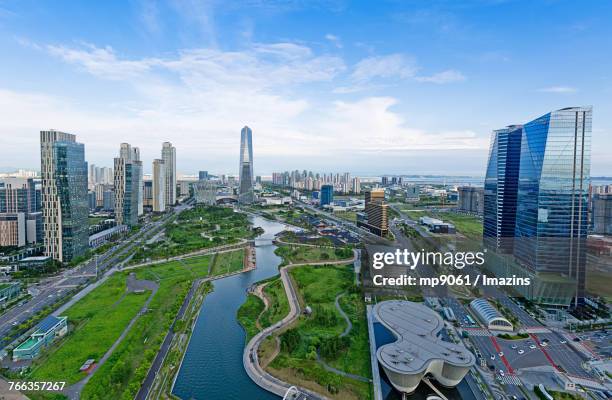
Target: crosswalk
x,y
536,329
478,332
510,380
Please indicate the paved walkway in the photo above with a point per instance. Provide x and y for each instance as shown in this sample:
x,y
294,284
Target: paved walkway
x,y
250,356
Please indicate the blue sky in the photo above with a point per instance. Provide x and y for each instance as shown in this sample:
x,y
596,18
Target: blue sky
x,y
368,87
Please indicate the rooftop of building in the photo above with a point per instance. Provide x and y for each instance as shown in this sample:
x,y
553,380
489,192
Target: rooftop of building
x,y
416,327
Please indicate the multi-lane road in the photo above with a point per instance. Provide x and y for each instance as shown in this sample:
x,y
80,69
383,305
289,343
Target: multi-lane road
x,y
56,289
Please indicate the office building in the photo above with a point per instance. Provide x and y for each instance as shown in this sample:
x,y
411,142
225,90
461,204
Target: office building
x,y
128,185
12,230
602,214
246,194
536,203
91,200
203,175
470,199
108,200
356,186
501,189
159,186
169,158
17,195
148,194
47,331
205,192
327,195
64,195
376,211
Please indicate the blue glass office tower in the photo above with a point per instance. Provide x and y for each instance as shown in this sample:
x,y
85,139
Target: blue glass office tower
x,y
245,169
554,175
500,189
327,194
64,195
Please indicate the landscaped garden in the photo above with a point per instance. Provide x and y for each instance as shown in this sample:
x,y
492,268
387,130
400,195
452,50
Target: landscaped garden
x,y
195,229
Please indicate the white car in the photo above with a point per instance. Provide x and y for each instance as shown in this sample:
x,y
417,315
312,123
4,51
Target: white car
x,y
521,351
543,344
501,372
563,341
501,353
533,346
514,347
492,356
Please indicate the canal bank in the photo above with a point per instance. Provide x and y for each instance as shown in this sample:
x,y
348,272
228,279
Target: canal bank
x,y
212,367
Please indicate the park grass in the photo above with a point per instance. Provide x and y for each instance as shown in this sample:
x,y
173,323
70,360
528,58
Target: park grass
x,y
318,287
121,376
305,254
347,215
96,321
228,262
248,313
279,305
198,228
598,283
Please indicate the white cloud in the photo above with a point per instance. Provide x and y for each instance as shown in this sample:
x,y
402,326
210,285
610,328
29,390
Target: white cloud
x,y
200,98
389,66
447,76
558,89
335,40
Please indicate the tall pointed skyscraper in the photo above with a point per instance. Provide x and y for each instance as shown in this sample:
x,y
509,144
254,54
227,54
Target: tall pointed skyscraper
x,y
245,169
169,157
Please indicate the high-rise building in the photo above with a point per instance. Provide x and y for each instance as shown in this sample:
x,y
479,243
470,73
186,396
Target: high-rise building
x,y
148,194
159,185
501,189
471,199
64,195
536,194
246,194
128,185
377,212
356,186
551,217
169,157
602,214
203,175
12,230
17,195
327,195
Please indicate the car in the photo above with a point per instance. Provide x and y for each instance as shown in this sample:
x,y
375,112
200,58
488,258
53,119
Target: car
x,y
492,356
501,353
543,344
533,346
514,347
501,372
563,341
521,351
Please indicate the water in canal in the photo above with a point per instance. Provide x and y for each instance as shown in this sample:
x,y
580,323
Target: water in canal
x,y
212,368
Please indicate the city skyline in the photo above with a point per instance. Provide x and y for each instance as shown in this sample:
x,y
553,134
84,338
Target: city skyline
x,y
318,92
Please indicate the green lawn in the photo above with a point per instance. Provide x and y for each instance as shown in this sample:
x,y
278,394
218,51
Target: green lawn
x,y
120,377
318,288
96,321
225,263
279,305
304,254
198,228
348,215
248,313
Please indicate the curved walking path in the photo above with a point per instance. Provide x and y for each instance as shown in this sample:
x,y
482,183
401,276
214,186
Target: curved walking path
x,y
347,330
250,357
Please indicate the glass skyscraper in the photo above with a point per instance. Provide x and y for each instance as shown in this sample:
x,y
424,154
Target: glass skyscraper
x,y
245,170
327,195
540,193
500,189
64,195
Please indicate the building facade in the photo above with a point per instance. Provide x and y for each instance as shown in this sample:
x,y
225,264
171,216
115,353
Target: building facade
x,y
169,158
64,195
602,214
246,193
376,211
471,199
159,186
501,189
327,195
128,185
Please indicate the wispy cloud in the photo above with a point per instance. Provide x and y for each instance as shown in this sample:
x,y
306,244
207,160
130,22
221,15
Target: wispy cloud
x,y
389,66
558,89
447,76
335,40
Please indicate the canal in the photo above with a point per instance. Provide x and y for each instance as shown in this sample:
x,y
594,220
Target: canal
x,y
212,368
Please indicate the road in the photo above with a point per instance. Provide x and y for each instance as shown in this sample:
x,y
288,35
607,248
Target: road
x,y
55,289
